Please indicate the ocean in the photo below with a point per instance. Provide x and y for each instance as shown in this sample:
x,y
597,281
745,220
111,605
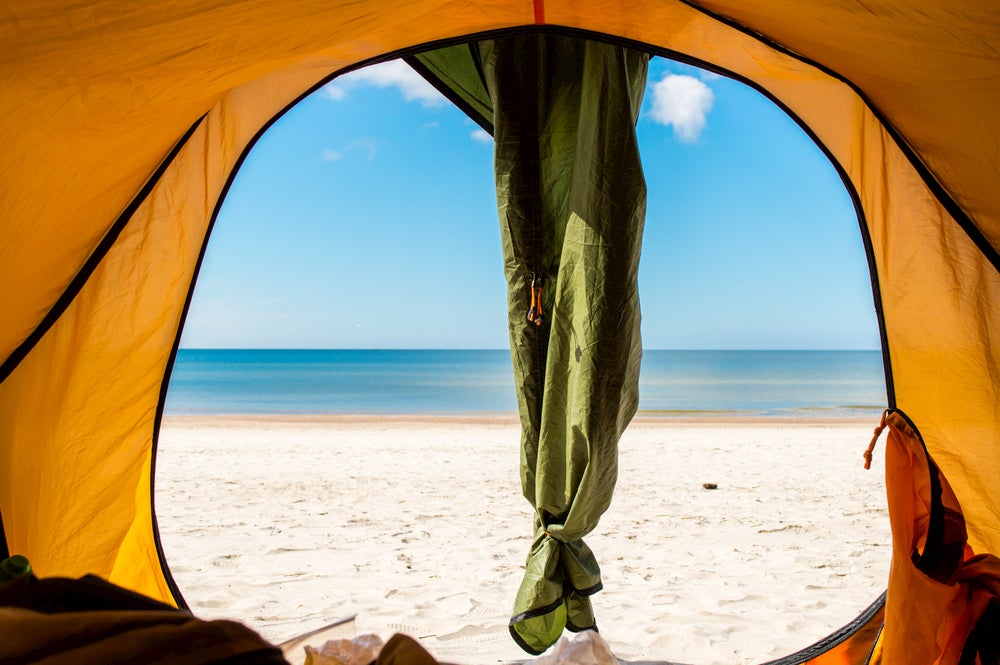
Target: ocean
x,y
798,384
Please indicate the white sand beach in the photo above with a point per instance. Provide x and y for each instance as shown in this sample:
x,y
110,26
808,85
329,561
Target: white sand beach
x,y
417,525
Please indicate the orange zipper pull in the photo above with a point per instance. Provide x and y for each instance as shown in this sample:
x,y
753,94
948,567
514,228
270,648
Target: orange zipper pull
x,y
535,314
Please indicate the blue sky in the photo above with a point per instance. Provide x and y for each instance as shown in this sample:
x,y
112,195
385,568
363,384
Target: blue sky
x,y
366,218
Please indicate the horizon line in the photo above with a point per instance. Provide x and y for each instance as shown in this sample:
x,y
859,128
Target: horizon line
x,y
463,348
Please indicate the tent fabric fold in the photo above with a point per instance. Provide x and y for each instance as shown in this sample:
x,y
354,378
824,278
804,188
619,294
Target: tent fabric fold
x,y
558,580
931,560
571,198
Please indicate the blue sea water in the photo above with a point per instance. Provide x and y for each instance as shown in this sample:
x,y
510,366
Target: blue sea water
x,y
674,383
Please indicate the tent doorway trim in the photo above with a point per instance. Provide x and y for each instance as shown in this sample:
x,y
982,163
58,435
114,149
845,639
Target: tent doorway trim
x,y
798,657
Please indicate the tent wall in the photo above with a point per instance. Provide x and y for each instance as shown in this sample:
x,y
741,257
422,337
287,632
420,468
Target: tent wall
x,y
78,414
96,95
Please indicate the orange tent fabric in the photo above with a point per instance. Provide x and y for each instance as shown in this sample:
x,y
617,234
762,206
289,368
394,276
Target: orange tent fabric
x,y
123,125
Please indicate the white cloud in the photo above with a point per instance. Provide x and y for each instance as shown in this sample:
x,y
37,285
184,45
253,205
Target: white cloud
x,y
481,135
333,90
393,74
330,155
682,102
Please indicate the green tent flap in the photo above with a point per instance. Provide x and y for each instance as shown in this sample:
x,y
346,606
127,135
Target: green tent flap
x,y
457,72
571,199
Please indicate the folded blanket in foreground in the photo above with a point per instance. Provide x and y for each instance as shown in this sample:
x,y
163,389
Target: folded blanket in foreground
x,y
86,621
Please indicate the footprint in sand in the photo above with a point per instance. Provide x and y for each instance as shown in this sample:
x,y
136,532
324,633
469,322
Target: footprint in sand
x,y
479,611
407,629
404,593
212,604
366,570
227,561
474,635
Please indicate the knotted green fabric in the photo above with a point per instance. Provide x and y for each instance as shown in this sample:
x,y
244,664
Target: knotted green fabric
x,y
571,199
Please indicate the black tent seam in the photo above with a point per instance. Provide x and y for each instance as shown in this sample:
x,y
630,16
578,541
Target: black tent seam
x,y
94,260
157,418
573,628
168,369
477,60
834,639
537,612
530,614
4,550
534,255
521,643
930,559
991,253
77,284
591,590
545,609
871,652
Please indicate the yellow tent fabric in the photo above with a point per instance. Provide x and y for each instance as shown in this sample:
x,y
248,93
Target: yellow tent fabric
x,y
123,123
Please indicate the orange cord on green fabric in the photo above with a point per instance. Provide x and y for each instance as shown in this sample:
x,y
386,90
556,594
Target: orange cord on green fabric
x,y
535,314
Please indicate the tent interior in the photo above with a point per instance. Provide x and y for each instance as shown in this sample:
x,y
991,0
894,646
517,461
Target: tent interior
x,y
124,128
